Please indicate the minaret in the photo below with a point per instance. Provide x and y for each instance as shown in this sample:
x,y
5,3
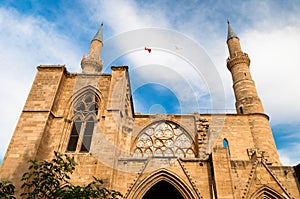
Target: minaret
x,y
92,63
238,62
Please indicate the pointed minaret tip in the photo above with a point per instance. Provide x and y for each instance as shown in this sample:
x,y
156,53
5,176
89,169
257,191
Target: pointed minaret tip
x,y
92,63
231,33
99,34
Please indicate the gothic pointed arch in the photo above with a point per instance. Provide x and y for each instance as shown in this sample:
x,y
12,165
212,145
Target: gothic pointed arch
x,y
267,193
164,139
82,118
77,95
162,175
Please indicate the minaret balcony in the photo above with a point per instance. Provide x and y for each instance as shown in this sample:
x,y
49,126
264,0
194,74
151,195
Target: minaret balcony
x,y
238,59
91,66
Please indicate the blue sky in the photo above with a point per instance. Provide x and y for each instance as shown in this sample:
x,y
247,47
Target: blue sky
x,y
59,32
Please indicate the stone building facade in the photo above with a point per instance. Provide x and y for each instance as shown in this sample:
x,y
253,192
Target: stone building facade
x,y
90,116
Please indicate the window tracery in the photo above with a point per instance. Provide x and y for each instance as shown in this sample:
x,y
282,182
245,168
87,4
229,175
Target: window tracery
x,y
84,116
164,139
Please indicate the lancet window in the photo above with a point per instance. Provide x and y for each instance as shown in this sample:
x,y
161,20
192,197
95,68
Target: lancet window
x,y
226,145
85,113
164,139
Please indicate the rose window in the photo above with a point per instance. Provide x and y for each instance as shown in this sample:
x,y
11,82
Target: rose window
x,y
164,139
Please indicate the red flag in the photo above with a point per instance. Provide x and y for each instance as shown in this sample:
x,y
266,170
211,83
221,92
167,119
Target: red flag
x,y
149,49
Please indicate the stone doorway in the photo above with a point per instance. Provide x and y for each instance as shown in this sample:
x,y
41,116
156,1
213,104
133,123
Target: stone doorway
x,y
162,190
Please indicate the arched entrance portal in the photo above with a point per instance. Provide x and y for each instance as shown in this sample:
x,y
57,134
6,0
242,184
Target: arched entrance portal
x,y
162,190
161,184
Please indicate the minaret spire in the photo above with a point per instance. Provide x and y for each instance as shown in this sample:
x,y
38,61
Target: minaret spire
x,y
92,63
99,34
233,42
231,33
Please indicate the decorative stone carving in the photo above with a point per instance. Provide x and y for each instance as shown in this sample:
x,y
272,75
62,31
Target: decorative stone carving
x,y
164,139
261,156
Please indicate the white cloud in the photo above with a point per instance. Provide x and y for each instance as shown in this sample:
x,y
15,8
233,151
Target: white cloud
x,y
25,43
124,16
290,154
275,65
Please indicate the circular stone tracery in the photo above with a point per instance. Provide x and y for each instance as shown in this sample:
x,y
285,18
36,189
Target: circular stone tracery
x,y
164,139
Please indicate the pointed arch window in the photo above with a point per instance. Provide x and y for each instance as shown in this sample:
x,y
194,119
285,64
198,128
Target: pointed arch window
x,y
84,116
226,145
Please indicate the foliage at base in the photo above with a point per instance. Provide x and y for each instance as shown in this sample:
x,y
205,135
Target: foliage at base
x,y
50,179
7,189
